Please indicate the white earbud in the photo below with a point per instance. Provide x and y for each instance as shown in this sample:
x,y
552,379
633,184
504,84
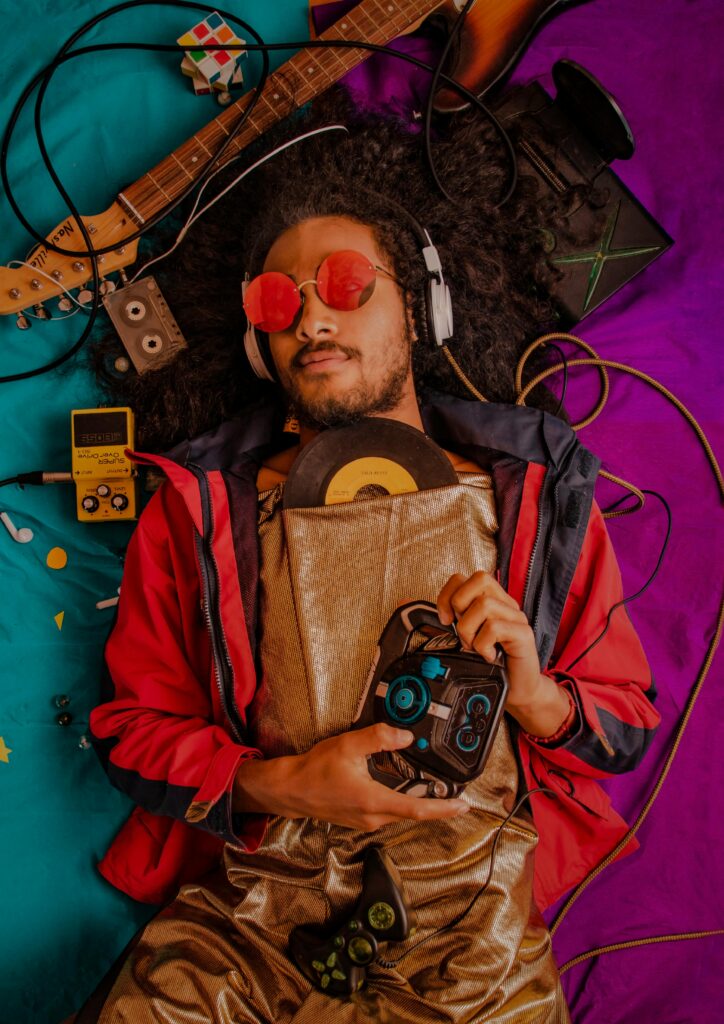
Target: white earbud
x,y
22,536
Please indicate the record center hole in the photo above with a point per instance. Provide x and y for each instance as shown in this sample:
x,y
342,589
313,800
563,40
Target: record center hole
x,y
371,491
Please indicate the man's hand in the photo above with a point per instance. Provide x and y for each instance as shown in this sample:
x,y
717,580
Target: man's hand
x,y
485,615
331,782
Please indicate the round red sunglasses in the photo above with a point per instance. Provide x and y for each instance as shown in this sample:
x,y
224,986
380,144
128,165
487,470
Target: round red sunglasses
x,y
345,280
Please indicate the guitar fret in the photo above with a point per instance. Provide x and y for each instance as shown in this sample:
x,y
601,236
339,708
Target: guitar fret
x,y
393,15
190,176
159,186
192,153
318,65
334,54
365,27
303,76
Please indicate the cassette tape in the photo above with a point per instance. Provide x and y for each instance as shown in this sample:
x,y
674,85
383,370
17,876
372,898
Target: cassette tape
x,y
145,324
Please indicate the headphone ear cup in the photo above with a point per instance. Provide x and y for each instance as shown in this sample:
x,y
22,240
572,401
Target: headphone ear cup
x,y
439,311
257,352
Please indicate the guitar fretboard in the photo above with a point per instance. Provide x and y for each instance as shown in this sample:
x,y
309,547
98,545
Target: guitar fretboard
x,y
307,74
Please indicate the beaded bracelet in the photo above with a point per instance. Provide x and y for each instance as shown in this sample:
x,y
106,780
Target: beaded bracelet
x,y
564,731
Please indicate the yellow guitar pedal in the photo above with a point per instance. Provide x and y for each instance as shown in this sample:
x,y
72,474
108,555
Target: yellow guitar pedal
x,y
105,478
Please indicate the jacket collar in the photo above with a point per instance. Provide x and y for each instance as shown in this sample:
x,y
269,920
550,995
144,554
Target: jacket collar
x,y
485,431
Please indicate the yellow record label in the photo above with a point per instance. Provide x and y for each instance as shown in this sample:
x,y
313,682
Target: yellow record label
x,y
378,474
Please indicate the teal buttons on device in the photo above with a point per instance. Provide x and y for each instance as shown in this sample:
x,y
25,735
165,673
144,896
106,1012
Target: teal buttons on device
x,y
432,668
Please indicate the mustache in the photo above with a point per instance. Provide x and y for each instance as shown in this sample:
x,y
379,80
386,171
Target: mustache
x,y
325,346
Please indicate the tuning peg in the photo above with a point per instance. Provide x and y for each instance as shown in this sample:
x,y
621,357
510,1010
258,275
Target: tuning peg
x,y
41,312
85,295
22,322
107,287
65,304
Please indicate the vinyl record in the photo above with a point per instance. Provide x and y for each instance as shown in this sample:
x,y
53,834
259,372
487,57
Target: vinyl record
x,y
373,458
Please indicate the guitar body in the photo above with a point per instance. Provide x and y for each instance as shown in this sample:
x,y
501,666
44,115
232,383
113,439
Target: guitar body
x,y
492,40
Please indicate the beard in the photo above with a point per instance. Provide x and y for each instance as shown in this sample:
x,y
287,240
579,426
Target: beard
x,y
321,411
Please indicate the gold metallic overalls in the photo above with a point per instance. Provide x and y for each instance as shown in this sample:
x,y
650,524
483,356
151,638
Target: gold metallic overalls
x,y
330,578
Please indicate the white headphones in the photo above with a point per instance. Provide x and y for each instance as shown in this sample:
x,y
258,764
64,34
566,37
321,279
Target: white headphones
x,y
438,305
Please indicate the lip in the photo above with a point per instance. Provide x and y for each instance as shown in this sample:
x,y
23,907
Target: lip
x,y
318,361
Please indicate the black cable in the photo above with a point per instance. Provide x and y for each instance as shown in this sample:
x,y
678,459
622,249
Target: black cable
x,y
92,253
65,55
638,593
456,920
457,28
165,48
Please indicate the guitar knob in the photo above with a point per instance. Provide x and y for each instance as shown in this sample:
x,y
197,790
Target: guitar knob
x,y
22,322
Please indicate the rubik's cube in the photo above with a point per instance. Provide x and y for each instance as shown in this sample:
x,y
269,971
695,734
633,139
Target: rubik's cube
x,y
212,69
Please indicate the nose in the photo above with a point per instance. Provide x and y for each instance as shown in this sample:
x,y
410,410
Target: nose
x,y
316,320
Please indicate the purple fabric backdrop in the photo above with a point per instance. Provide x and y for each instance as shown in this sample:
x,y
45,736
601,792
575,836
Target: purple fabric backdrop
x,y
661,60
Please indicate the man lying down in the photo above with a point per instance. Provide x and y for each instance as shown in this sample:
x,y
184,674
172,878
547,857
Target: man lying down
x,y
247,626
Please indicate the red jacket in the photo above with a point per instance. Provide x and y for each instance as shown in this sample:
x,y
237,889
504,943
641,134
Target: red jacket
x,y
181,654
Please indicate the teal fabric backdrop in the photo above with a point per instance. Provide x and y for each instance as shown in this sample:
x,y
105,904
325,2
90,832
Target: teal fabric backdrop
x,y
108,118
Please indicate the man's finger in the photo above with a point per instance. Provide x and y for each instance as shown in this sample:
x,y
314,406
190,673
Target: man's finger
x,y
402,805
459,592
381,736
445,611
478,613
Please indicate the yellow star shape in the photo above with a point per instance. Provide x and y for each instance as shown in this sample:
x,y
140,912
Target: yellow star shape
x,y
4,751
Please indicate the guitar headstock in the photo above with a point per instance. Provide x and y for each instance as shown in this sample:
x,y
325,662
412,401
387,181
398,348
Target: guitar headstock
x,y
48,273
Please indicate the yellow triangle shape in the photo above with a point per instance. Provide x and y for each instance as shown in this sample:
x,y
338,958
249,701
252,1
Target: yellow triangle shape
x,y
59,619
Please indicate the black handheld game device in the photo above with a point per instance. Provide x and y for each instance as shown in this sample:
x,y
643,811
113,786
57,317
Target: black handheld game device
x,y
336,963
452,700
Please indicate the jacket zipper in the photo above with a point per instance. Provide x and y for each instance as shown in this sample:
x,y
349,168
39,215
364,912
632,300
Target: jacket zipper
x,y
536,542
210,577
546,558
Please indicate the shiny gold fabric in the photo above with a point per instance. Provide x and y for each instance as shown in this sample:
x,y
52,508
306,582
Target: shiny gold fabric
x,y
330,579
